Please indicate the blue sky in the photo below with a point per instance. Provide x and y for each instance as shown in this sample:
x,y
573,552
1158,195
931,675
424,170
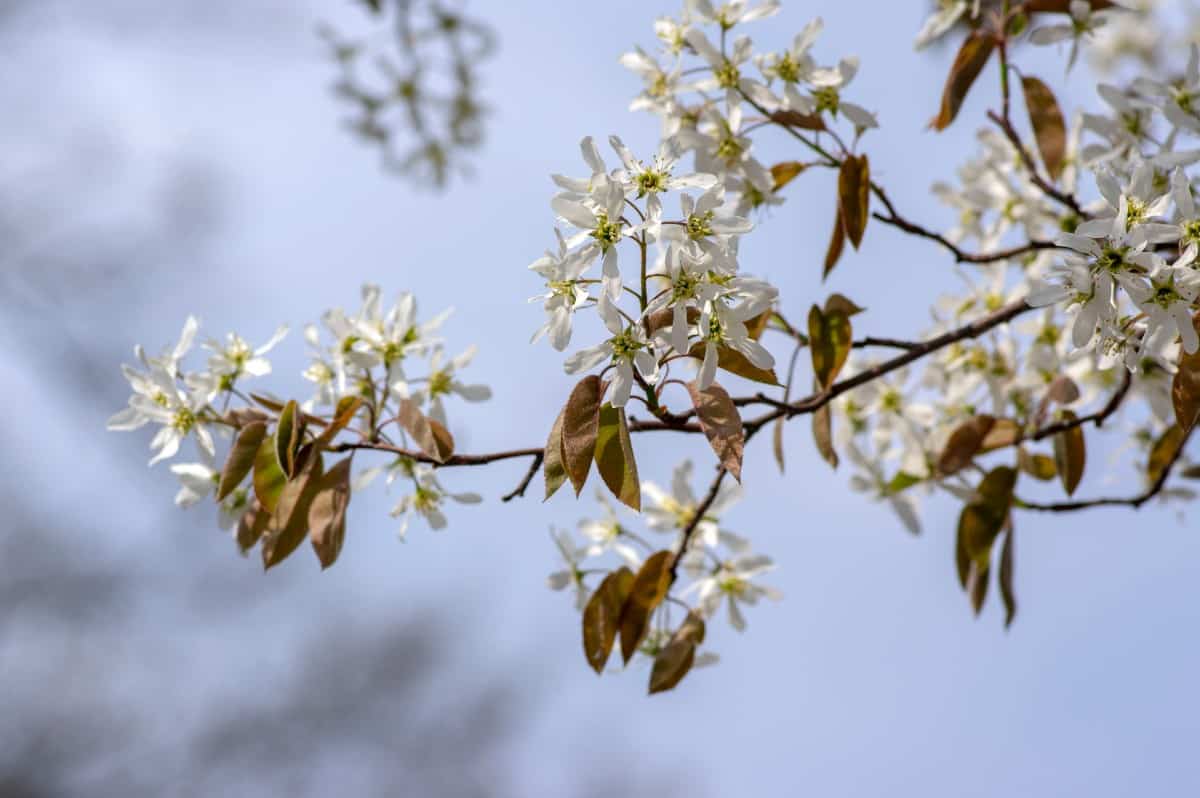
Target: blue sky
x,y
870,676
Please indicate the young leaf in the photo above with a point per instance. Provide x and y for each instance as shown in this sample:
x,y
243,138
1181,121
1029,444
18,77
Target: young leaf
x,y
1162,454
837,243
430,436
854,197
1004,433
1048,126
785,172
838,303
1185,388
614,457
1007,594
327,513
798,120
602,617
676,657
721,424
1070,455
343,414
777,443
241,457
1038,466
964,443
829,339
969,62
289,520
650,587
289,434
251,526
552,461
822,424
581,421
269,478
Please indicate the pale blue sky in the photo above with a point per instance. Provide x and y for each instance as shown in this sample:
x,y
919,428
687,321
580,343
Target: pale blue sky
x,y
871,677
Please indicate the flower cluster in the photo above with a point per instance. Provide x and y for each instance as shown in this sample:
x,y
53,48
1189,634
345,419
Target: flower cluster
x,y
688,298
718,563
386,360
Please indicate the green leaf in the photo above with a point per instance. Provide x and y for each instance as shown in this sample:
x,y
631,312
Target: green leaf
x,y
602,616
650,587
822,425
1070,455
289,520
830,337
241,457
1162,454
721,424
269,478
614,457
327,513
971,58
581,423
964,443
552,461
1048,126
677,656
289,433
854,197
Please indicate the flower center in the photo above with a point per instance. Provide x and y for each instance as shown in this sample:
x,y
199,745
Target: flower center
x,y
606,232
699,225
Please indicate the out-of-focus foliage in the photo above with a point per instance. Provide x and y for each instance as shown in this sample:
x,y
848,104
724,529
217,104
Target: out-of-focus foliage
x,y
412,82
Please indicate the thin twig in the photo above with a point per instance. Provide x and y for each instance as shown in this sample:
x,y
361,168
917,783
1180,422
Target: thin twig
x,y
697,517
520,489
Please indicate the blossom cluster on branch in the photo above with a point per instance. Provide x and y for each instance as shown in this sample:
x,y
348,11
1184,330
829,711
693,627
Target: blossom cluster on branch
x,y
1078,307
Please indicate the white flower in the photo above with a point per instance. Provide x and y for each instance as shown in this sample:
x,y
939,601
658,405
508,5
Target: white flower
x,y
732,13
571,575
235,358
562,272
674,511
944,17
871,481
162,395
705,233
1179,98
724,326
598,217
829,85
427,497
731,582
607,534
628,347
651,181
1084,22
794,67
443,381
